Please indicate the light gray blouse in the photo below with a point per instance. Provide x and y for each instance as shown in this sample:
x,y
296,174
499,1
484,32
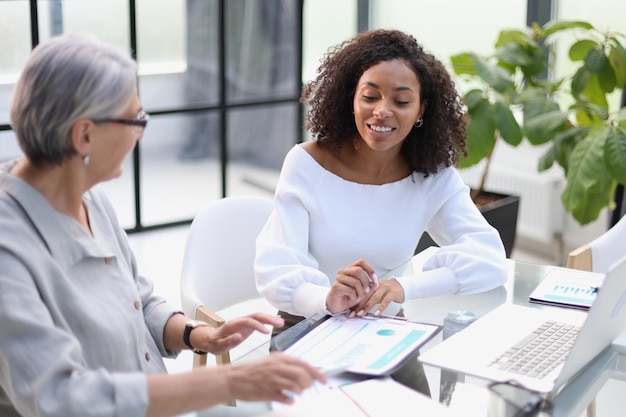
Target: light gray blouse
x,y
79,328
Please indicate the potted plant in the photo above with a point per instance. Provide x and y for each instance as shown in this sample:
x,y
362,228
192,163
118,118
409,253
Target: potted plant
x,y
510,99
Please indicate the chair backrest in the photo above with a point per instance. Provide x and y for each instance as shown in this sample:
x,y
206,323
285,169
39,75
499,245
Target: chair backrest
x,y
602,252
218,264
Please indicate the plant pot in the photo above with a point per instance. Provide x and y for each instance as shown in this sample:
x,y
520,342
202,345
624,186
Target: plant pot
x,y
501,213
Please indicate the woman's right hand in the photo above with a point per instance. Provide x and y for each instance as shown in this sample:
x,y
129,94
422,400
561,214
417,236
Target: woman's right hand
x,y
273,378
351,285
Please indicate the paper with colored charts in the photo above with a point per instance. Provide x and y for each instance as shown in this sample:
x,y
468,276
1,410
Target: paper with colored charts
x,y
368,346
568,288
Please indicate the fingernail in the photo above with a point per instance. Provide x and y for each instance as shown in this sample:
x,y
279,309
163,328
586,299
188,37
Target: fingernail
x,y
367,290
352,314
377,313
361,313
375,278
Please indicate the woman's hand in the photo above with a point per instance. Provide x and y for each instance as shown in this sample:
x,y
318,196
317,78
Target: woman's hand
x,y
352,284
388,290
272,378
233,332
276,377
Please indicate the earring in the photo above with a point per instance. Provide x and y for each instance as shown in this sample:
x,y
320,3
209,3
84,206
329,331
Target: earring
x,y
419,123
86,159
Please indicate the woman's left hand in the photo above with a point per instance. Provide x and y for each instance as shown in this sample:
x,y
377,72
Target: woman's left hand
x,y
388,290
233,332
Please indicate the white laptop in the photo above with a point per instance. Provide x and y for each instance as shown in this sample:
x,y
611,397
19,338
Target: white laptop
x,y
473,350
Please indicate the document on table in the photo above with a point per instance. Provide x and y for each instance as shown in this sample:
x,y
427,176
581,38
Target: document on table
x,y
568,288
377,397
367,346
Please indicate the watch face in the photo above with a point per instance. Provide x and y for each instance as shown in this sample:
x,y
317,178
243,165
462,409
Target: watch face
x,y
195,323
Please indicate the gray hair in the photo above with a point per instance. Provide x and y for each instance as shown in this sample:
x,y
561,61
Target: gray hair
x,y
65,79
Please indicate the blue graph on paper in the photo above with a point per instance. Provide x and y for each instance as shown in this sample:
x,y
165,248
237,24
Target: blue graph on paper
x,y
567,287
572,295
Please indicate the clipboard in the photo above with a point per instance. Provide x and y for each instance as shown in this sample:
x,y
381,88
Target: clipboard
x,y
568,288
366,346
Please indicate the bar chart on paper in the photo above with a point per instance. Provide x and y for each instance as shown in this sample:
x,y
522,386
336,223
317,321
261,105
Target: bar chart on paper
x,y
568,288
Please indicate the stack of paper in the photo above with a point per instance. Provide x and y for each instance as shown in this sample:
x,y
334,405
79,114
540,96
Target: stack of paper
x,y
377,397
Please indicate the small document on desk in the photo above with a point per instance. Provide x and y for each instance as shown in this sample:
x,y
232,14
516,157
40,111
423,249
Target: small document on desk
x,y
366,346
568,288
377,397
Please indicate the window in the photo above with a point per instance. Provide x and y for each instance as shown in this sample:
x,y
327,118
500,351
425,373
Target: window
x,y
220,79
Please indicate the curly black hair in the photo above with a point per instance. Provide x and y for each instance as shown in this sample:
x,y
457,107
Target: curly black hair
x,y
330,95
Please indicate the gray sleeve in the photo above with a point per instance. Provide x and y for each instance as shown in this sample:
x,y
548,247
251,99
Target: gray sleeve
x,y
42,369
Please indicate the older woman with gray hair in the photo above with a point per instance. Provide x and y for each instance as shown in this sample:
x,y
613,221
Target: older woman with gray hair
x,y
82,332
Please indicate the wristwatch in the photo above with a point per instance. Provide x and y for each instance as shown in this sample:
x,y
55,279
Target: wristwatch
x,y
189,326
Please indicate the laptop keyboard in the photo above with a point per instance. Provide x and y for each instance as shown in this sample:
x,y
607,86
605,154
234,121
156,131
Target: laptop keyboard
x,y
540,352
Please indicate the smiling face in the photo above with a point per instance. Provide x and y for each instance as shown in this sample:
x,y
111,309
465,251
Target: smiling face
x,y
387,104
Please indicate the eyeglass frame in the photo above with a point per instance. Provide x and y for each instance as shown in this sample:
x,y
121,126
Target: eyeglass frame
x,y
140,121
530,407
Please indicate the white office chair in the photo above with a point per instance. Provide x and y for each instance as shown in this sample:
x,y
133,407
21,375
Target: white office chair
x,y
597,256
217,281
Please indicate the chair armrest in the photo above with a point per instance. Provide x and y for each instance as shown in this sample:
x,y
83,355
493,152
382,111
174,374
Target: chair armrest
x,y
205,314
580,258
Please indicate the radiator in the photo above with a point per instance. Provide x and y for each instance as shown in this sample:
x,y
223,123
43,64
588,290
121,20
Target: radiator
x,y
541,214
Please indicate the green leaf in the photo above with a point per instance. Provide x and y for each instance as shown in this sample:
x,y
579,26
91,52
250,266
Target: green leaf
x,y
586,87
480,134
536,103
579,50
589,114
596,60
514,54
473,98
593,92
538,62
564,143
498,78
607,79
579,81
543,127
615,153
617,58
506,124
556,26
589,186
547,159
512,36
464,63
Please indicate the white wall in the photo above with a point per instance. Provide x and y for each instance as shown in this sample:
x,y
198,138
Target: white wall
x,y
447,27
326,24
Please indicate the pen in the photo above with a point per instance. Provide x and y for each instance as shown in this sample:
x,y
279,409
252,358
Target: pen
x,y
373,279
595,289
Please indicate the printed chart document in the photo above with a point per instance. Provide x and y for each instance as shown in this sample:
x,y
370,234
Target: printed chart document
x,y
568,288
377,397
366,346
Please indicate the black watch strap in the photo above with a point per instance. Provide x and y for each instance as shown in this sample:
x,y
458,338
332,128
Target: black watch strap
x,y
187,334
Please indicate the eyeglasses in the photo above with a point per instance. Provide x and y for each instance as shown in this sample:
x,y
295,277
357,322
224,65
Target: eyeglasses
x,y
139,123
524,402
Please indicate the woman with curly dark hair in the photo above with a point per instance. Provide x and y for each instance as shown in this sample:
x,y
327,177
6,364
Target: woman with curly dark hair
x,y
352,204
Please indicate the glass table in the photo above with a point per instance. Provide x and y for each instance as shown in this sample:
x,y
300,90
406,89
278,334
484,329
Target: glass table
x,y
603,379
